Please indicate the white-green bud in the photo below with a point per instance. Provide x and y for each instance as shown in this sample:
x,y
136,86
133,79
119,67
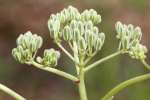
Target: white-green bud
x,y
39,59
81,27
76,34
138,52
85,16
89,25
128,35
95,30
73,12
29,41
73,24
54,27
125,43
102,37
27,45
92,15
90,39
16,54
119,29
22,55
50,57
67,33
82,44
98,44
137,33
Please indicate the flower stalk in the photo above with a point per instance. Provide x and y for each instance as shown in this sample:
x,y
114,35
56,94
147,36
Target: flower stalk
x,y
81,85
55,71
89,67
11,92
125,84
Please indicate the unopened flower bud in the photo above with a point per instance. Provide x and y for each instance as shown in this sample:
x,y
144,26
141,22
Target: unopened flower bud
x,y
39,59
73,24
89,25
102,36
119,29
27,45
98,44
67,33
50,57
76,34
138,52
125,43
82,44
137,33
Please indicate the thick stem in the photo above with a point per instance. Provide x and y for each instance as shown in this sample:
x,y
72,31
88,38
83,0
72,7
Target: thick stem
x,y
11,92
102,60
81,85
127,83
55,71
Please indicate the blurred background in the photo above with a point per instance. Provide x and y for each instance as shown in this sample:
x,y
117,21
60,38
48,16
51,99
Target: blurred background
x,y
19,16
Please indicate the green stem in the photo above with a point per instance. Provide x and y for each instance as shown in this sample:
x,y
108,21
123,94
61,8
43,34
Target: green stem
x,y
89,67
65,51
55,71
88,59
81,85
11,92
146,64
127,83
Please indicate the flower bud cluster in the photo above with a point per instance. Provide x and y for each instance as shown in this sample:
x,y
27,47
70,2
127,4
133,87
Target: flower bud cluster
x,y
27,45
91,15
85,34
57,21
71,26
130,38
50,58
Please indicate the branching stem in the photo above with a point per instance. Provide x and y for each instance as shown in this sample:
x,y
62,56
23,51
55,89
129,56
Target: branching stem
x,y
89,67
55,71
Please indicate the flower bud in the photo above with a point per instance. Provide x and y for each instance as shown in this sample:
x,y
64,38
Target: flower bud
x,y
62,18
21,55
73,24
102,36
98,44
54,27
76,34
125,43
81,27
138,52
137,33
27,45
119,29
89,25
67,33
90,39
95,30
82,44
39,59
50,57
16,54
94,16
